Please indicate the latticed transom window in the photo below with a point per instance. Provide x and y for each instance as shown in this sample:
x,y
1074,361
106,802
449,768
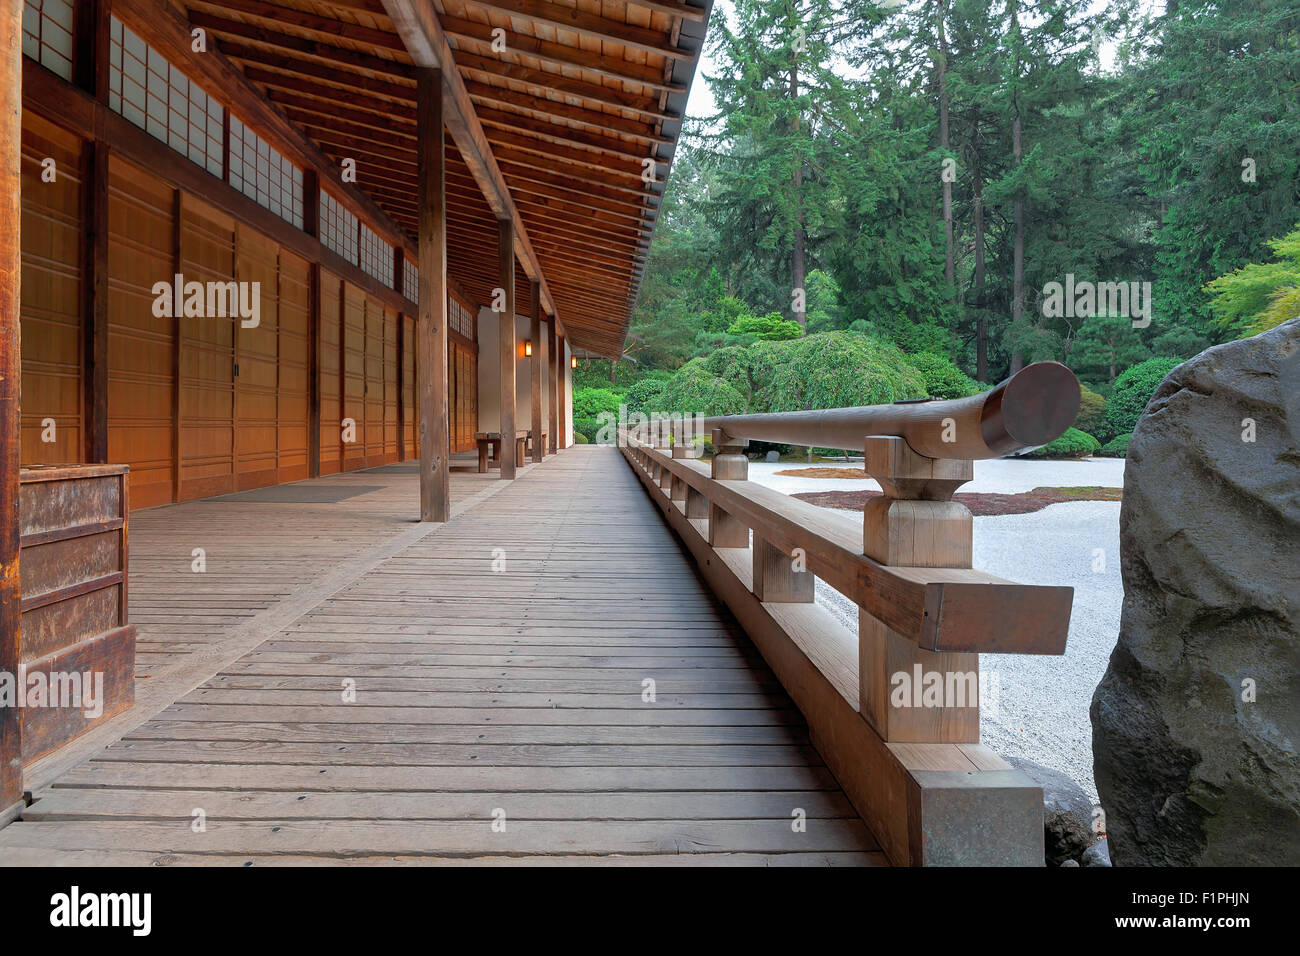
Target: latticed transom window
x,y
262,174
376,256
411,281
47,34
460,319
153,94
338,227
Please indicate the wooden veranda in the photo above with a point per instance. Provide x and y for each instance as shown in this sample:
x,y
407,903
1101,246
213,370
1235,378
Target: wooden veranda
x,y
516,695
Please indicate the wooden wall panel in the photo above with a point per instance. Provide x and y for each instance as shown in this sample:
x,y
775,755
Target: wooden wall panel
x,y
207,358
257,351
390,394
353,367
462,406
374,385
331,409
410,407
140,380
51,297
294,367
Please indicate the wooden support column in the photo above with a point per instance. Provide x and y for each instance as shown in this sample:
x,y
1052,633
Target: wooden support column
x,y
536,370
431,328
11,136
729,464
399,283
178,334
94,327
562,401
915,524
553,396
506,343
311,226
91,37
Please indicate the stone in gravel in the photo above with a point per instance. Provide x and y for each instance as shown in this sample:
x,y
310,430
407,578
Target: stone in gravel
x,y
1097,855
772,456
1070,863
1196,720
1067,812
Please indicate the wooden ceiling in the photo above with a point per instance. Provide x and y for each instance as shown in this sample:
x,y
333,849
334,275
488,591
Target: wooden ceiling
x,y
572,96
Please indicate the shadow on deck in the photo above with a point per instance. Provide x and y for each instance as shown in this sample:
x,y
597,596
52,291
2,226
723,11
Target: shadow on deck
x,y
499,665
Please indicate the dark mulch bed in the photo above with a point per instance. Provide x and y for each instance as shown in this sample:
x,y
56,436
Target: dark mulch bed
x,y
980,504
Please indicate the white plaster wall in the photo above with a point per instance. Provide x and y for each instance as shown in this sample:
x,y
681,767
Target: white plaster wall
x,y
489,389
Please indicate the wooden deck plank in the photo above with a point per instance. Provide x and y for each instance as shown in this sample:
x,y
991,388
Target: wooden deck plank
x,y
497,664
47,856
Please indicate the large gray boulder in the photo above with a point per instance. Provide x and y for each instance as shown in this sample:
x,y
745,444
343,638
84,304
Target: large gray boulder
x,y
1193,767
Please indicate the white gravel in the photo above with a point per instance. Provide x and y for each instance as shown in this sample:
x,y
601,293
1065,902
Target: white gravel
x,y
1042,702
1004,475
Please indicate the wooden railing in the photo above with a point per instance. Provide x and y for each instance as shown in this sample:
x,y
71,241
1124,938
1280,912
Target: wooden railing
x,y
913,765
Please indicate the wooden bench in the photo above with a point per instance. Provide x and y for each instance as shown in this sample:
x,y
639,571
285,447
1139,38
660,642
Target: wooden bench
x,y
491,441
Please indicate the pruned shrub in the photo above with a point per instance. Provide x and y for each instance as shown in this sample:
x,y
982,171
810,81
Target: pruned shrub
x,y
1133,389
1092,411
943,379
1072,444
1117,447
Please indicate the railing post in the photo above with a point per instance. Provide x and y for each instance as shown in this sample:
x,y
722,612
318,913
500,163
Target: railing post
x,y
777,579
662,476
917,524
678,487
729,464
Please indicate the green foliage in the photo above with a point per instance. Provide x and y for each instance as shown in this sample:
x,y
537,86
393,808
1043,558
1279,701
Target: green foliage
x,y
1208,137
1092,411
580,439
769,328
825,370
1117,447
1072,444
1173,164
1260,296
590,374
1105,346
647,395
1133,389
694,390
589,402
942,378
833,370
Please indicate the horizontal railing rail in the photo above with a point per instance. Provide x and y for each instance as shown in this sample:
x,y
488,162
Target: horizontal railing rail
x,y
1031,408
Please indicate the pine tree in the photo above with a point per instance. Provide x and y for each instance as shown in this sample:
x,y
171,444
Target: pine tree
x,y
775,93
